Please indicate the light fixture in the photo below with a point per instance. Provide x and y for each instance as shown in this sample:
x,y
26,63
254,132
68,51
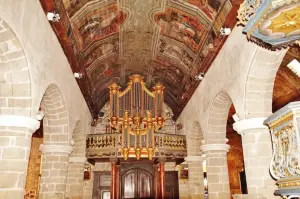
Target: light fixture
x,y
225,31
199,77
78,75
138,113
51,16
295,67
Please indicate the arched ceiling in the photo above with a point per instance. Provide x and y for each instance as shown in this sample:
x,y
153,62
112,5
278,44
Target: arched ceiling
x,y
167,41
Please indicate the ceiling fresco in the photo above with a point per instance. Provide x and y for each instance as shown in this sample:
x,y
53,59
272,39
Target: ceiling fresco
x,y
167,41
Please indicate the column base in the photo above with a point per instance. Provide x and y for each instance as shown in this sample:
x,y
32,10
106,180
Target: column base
x,y
248,196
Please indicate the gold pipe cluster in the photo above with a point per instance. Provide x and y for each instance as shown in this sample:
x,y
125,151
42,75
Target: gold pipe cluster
x,y
138,113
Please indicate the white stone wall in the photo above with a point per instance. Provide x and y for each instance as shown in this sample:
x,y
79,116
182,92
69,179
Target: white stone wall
x,y
236,68
47,62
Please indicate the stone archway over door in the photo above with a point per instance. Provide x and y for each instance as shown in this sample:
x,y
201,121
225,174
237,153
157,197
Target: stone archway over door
x,y
16,125
56,149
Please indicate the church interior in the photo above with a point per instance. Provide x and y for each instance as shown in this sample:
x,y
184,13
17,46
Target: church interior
x,y
149,99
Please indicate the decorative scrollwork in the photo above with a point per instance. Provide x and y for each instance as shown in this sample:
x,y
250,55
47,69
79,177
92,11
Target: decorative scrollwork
x,y
291,197
285,161
247,10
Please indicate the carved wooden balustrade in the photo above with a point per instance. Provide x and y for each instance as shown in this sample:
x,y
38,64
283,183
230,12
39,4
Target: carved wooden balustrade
x,y
109,146
102,145
170,145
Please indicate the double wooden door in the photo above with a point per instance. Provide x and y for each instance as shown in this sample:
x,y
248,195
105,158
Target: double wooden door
x,y
136,183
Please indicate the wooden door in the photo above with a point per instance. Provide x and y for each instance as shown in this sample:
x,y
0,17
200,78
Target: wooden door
x,y
172,186
136,183
101,188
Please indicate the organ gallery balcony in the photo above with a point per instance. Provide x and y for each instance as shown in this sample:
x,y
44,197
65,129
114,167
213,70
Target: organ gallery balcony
x,y
107,146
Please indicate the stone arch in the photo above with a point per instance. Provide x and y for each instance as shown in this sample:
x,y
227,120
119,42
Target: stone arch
x,y
15,83
55,148
78,138
74,188
217,120
194,140
195,161
55,122
260,82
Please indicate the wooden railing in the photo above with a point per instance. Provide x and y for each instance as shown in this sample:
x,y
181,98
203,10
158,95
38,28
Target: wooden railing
x,y
170,141
109,145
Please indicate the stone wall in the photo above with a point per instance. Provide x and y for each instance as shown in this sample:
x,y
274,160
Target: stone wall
x,y
32,61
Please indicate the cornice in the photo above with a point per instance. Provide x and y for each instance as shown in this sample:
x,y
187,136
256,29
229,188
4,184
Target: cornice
x,y
19,121
248,124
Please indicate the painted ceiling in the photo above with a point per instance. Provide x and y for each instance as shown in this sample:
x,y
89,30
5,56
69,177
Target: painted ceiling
x,y
166,41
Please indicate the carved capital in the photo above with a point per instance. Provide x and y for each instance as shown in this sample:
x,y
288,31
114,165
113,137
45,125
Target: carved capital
x,y
249,124
162,160
56,148
19,121
113,160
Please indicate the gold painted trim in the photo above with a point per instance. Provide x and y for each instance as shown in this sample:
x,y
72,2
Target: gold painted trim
x,y
283,119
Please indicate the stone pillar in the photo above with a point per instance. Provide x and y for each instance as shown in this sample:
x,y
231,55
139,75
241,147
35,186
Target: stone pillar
x,y
55,161
196,176
217,170
75,178
257,149
15,142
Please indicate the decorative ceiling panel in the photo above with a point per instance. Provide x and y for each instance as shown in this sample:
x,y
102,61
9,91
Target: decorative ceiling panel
x,y
167,41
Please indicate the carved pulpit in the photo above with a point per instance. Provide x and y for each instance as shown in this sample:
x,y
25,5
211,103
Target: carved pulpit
x,y
284,126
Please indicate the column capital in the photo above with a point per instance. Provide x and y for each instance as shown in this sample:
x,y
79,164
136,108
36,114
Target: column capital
x,y
249,124
77,159
214,147
19,121
198,158
50,148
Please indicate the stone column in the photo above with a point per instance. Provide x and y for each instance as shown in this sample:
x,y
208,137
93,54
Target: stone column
x,y
257,149
217,170
55,161
75,178
196,176
15,142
